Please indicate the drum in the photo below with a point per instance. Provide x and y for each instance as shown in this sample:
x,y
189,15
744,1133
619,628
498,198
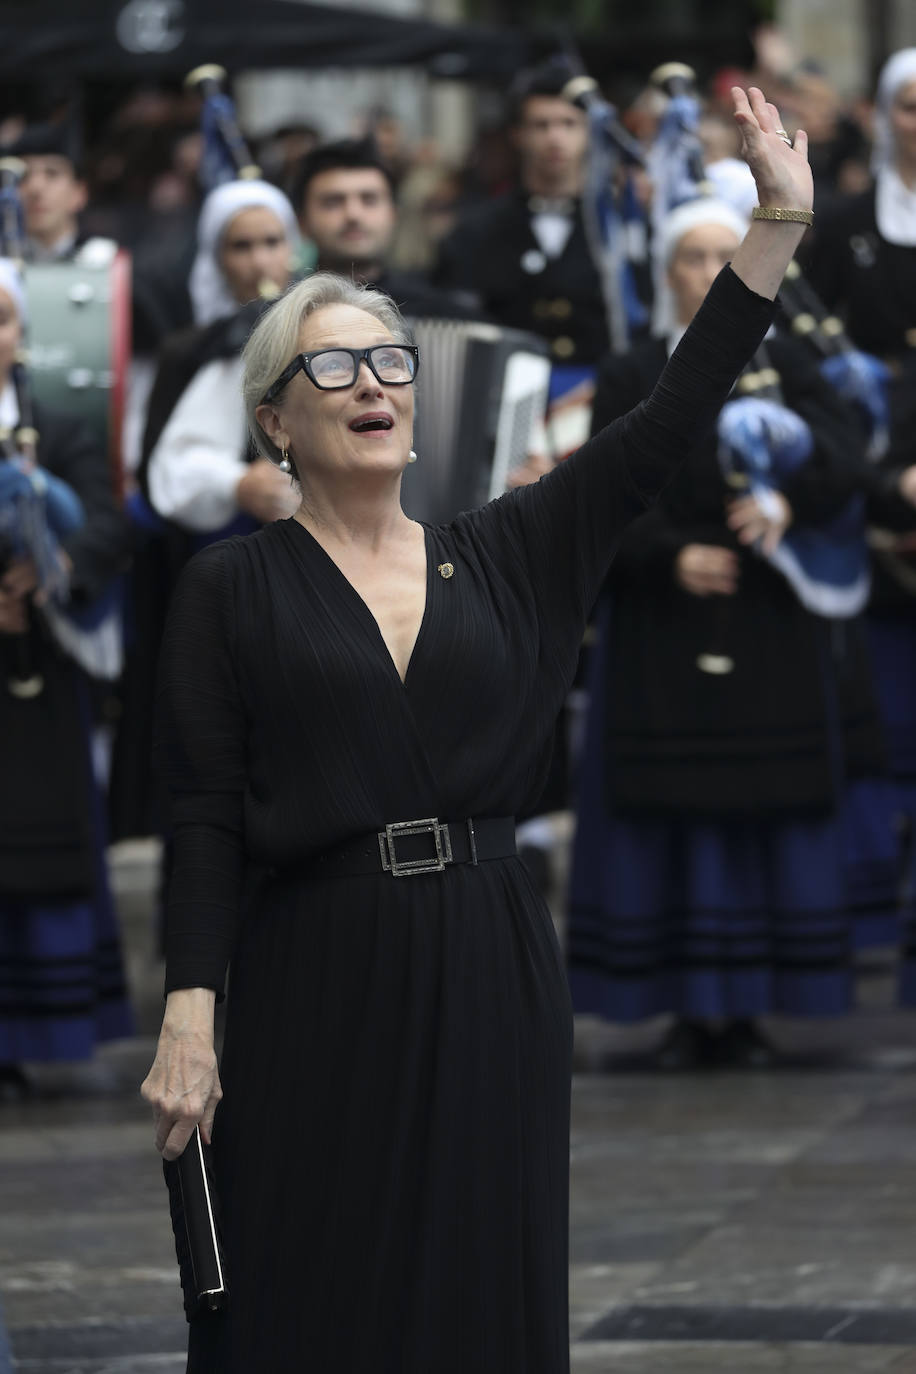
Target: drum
x,y
79,339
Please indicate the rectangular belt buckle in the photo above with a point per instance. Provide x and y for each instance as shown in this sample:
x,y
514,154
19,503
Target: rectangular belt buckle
x,y
406,868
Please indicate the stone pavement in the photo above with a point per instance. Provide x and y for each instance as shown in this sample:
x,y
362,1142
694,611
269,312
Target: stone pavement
x,y
719,1221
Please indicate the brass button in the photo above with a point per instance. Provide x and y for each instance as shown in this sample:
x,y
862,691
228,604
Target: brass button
x,y
909,338
446,570
563,347
562,308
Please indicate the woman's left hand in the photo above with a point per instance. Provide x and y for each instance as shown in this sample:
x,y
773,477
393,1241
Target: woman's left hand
x,y
780,169
752,520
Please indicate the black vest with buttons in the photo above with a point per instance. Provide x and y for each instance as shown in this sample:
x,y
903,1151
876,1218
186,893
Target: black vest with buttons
x,y
495,253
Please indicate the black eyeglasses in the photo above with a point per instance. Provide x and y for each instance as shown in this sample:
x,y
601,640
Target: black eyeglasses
x,y
332,369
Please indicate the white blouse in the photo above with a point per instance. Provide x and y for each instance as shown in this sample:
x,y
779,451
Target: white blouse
x,y
199,458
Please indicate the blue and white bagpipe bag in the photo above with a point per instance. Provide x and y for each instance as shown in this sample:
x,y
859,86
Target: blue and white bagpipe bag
x,y
37,513
826,565
615,227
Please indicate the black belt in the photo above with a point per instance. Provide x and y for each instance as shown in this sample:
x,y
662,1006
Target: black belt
x,y
408,848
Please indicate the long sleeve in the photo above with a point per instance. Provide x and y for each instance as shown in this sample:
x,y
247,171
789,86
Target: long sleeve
x,y
566,526
201,736
196,464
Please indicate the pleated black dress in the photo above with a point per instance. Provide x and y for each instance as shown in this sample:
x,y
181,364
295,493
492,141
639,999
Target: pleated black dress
x,y
392,1147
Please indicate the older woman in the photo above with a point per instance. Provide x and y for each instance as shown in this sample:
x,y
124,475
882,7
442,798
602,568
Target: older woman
x,y
62,984
708,874
195,463
863,255
354,707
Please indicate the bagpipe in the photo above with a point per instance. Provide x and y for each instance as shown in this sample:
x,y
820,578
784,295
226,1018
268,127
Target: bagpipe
x,y
827,564
38,510
225,156
859,378
762,443
610,207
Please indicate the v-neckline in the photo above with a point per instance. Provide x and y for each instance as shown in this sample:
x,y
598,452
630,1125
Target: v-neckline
x,y
380,638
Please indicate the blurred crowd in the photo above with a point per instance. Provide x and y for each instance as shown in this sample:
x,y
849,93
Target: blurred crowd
x,y
747,790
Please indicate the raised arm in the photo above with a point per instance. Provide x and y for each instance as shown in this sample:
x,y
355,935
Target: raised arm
x,y
579,510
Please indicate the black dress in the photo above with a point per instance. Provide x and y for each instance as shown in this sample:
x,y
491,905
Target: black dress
x,y
392,1147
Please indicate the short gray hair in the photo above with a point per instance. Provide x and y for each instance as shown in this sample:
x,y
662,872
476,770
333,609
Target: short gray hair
x,y
274,341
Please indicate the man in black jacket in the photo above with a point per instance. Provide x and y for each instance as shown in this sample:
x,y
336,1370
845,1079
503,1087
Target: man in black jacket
x,y
526,256
344,197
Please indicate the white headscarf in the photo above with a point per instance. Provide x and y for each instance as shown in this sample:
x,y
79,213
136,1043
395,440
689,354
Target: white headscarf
x,y
704,210
211,298
11,283
733,182
895,203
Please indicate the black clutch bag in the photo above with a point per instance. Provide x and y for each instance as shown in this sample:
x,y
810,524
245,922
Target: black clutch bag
x,y
196,1223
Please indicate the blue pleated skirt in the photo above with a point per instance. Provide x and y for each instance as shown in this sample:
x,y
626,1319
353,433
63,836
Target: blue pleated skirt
x,y
892,642
706,918
62,983
873,859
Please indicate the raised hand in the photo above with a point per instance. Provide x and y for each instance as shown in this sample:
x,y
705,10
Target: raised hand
x,y
780,167
784,182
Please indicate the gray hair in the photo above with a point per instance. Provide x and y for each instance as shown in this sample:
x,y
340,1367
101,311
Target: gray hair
x,y
274,341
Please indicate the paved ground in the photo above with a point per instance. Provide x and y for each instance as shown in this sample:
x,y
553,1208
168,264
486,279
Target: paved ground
x,y
719,1222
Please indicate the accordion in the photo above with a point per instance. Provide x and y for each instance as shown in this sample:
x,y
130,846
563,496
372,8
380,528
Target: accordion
x,y
481,400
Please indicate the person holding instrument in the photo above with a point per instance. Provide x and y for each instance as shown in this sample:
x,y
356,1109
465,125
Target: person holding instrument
x,y
724,719
353,707
62,982
195,465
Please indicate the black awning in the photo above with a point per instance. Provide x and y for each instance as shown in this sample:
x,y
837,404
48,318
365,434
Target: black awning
x,y
137,38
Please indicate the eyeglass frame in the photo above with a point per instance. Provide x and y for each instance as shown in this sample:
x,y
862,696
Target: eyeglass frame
x,y
303,363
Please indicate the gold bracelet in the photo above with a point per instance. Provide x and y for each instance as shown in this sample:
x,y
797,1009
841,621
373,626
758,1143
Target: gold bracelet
x,y
787,216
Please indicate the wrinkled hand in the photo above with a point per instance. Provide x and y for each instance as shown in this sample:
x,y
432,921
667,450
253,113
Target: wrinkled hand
x,y
183,1086
707,570
781,172
265,492
753,519
907,484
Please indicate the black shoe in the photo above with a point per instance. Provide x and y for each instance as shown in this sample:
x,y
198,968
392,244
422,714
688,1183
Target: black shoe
x,y
743,1046
688,1045
14,1085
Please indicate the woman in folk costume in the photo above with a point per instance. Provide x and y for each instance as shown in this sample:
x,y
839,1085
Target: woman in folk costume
x,y
196,481
62,985
863,263
862,256
196,465
724,717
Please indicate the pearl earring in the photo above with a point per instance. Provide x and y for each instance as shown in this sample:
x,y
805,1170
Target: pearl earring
x,y
285,465
411,457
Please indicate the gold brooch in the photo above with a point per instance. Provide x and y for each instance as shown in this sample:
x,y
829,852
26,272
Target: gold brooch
x,y
446,570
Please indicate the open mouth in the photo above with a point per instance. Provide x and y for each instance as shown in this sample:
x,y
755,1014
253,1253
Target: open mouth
x,y
370,423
